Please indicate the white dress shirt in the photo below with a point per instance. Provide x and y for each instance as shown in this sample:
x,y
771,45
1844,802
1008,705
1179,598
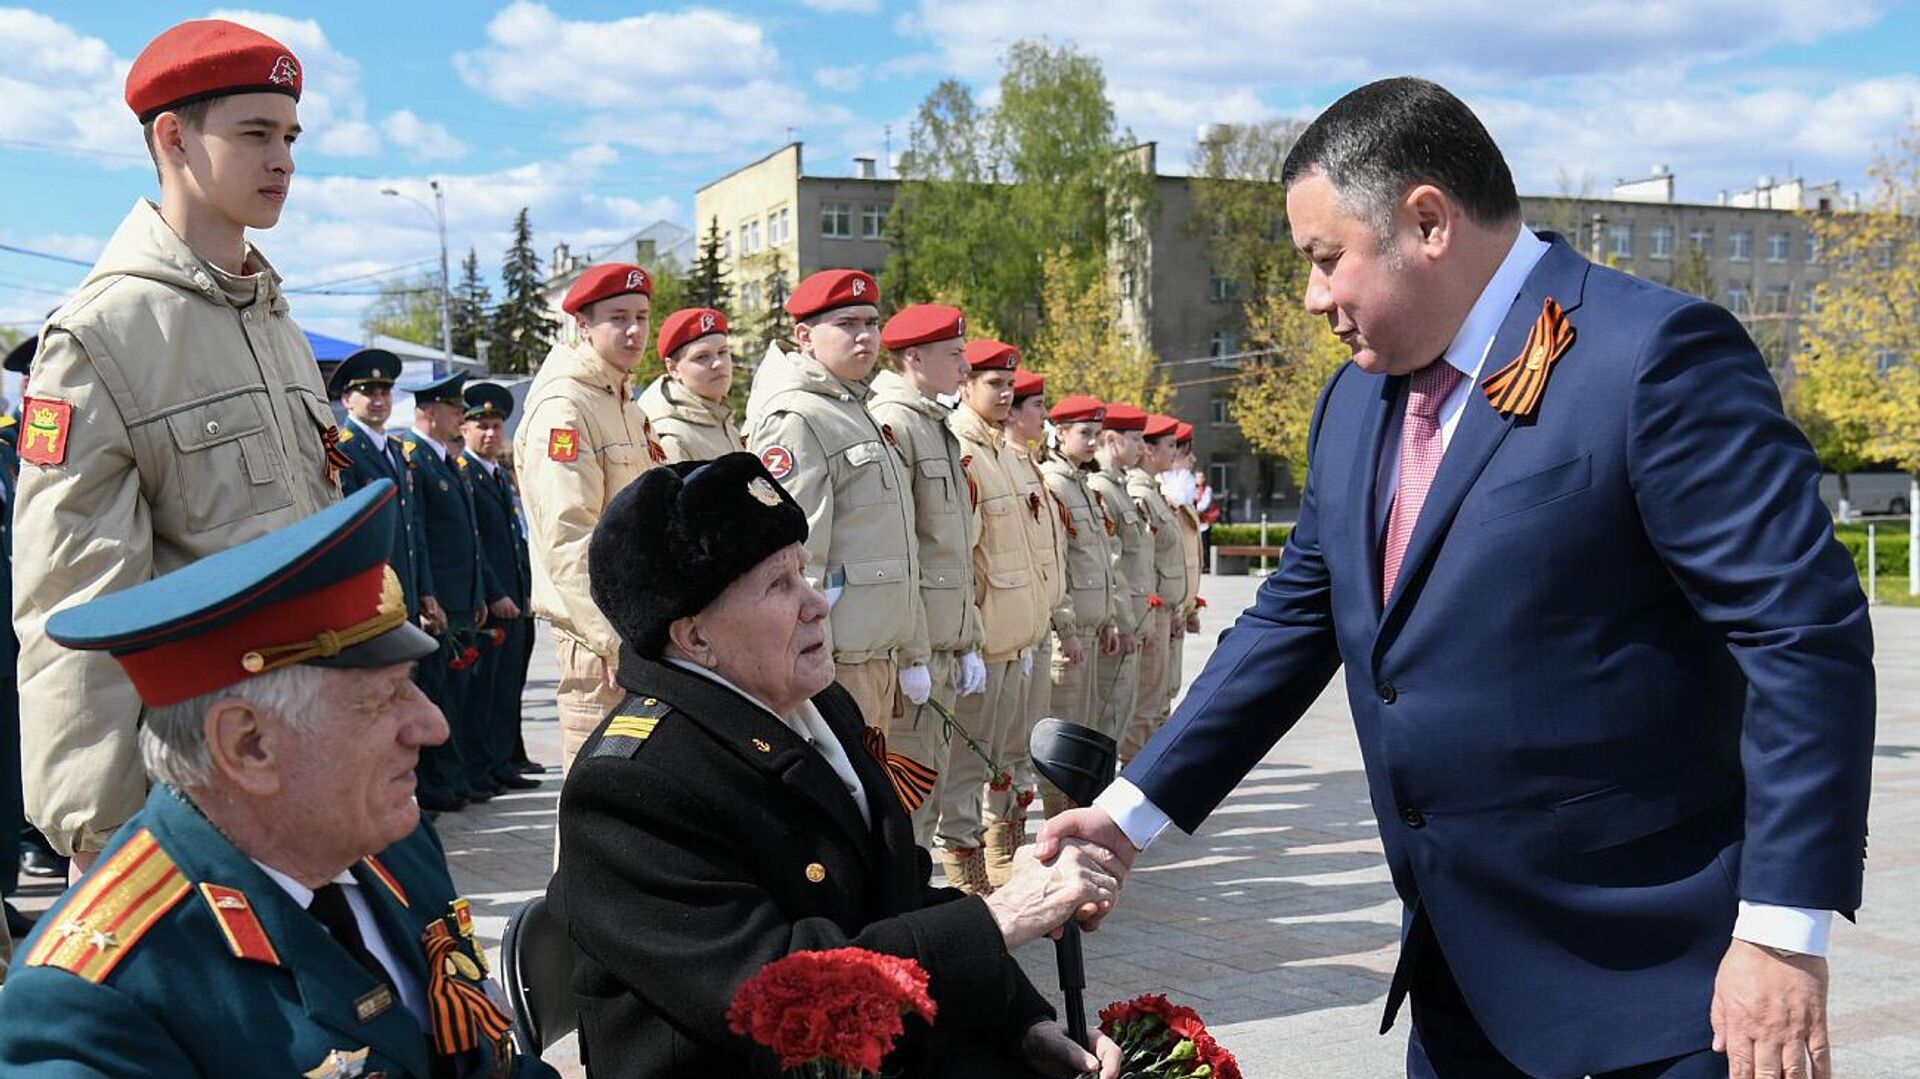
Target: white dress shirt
x,y
1795,929
412,993
379,435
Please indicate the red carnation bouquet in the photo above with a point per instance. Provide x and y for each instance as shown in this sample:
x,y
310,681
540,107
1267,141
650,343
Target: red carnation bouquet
x,y
1159,1038
832,1014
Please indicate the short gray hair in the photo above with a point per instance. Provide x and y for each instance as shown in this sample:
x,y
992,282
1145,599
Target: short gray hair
x,y
173,737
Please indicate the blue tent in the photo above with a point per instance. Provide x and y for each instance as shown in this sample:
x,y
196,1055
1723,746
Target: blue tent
x,y
330,349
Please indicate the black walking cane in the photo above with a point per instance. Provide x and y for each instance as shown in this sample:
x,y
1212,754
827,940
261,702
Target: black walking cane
x,y
1080,761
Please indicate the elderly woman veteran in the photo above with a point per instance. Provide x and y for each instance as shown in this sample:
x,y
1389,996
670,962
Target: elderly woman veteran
x,y
728,814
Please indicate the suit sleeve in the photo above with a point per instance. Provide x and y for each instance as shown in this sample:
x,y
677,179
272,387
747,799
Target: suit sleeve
x,y
1268,667
564,501
422,555
53,1024
82,529
1727,489
490,582
665,897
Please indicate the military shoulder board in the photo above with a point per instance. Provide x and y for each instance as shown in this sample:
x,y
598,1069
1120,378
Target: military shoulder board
x,y
630,728
101,920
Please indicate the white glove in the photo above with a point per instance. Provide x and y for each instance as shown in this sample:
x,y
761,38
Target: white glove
x,y
971,676
916,682
1026,663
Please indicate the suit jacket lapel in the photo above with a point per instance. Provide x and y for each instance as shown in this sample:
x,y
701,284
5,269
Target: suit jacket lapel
x,y
1363,490
1560,274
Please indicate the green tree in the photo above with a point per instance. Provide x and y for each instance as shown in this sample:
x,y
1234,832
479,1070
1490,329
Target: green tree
x,y
1081,348
1240,209
1693,273
707,284
468,308
1273,399
520,331
408,308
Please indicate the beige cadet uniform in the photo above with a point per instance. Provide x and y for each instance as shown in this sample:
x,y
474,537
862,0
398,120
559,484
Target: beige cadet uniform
x,y
814,433
1189,523
943,528
581,440
1092,599
1117,678
1170,584
689,427
196,424
1047,544
1014,612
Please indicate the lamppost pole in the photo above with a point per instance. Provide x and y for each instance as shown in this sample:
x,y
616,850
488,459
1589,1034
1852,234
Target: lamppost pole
x,y
439,212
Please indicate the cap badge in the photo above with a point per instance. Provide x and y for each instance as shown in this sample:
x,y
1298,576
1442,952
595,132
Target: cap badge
x,y
763,492
960,326
285,72
859,286
636,279
707,323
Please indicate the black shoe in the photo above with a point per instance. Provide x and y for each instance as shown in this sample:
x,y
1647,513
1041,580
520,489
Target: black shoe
x,y
19,923
40,863
508,780
529,768
479,796
435,802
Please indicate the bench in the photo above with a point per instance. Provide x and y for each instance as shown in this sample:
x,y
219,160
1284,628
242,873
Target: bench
x,y
1238,556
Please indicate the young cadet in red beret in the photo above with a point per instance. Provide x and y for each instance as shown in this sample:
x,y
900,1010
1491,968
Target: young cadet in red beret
x,y
176,409
688,404
808,421
927,342
1166,625
1117,676
582,438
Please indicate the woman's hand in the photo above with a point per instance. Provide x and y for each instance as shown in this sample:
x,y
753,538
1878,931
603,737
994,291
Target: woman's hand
x,y
1050,1051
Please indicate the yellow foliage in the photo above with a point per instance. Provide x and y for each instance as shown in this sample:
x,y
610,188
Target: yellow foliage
x,y
1081,347
1274,397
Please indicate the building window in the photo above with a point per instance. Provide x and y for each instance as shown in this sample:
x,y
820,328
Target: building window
x,y
750,296
779,227
1219,288
1126,284
1620,240
1737,298
726,245
1700,238
1222,345
1813,248
1740,245
1778,244
1887,359
1660,241
873,221
1779,300
836,220
1221,416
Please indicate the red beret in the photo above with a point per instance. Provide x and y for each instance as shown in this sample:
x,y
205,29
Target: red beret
x,y
688,324
1078,408
1027,384
604,282
208,58
921,323
1159,426
1183,433
1124,418
829,289
987,354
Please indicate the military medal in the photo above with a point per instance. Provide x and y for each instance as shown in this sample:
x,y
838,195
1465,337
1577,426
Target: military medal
x,y
340,1064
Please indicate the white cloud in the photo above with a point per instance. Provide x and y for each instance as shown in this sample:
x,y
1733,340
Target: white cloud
x,y
841,79
333,111
62,88
422,140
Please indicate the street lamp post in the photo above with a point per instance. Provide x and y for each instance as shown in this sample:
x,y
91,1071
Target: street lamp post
x,y
439,212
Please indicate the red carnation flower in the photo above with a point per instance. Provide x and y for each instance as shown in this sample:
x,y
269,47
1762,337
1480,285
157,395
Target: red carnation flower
x,y
842,1008
1155,601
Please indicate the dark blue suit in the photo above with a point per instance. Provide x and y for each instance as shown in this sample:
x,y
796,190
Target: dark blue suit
x,y
1625,678
386,462
503,546
185,999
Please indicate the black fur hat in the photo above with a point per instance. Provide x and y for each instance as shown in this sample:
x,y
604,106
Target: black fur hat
x,y
675,538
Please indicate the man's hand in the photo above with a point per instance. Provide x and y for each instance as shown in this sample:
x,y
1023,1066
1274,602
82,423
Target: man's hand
x,y
479,618
504,608
1072,651
1129,644
1770,1014
1178,629
78,864
1092,826
1193,622
432,617
1038,899
1109,640
1048,1049
916,683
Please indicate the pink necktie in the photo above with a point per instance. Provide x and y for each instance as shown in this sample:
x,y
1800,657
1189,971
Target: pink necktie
x,y
1420,452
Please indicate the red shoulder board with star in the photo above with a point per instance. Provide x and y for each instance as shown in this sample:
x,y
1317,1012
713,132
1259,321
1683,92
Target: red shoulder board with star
x,y
778,461
101,920
43,430
246,937
563,445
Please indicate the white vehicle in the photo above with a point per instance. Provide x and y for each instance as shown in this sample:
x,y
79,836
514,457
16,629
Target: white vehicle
x,y
1877,492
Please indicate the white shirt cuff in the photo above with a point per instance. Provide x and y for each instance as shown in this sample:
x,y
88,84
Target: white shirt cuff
x,y
1793,929
1141,820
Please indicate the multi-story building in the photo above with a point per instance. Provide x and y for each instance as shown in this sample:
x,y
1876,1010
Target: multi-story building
x,y
1750,251
655,245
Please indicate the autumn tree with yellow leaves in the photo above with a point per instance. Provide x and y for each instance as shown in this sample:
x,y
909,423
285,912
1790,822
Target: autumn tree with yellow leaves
x,y
1081,346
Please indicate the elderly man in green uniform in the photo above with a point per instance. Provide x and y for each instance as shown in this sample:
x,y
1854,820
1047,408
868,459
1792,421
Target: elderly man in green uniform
x,y
506,644
928,342
278,907
176,409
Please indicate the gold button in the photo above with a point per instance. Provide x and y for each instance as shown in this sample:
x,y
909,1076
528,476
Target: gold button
x,y
761,745
650,702
816,872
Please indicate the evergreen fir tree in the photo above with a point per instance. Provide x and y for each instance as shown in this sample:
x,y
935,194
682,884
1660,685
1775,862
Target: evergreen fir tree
x,y
469,307
520,331
707,285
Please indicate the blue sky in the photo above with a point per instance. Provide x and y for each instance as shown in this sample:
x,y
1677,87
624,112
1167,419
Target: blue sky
x,y
605,117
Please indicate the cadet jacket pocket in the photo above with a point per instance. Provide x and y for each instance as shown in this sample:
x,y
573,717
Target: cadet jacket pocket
x,y
939,575
936,483
1546,485
227,466
876,571
867,480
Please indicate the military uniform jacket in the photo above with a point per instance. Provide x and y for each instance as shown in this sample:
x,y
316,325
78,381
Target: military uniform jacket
x,y
942,510
689,427
164,424
1169,552
701,838
1046,539
459,578
581,440
1189,523
818,439
187,960
503,542
387,461
1091,546
1133,578
1013,607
